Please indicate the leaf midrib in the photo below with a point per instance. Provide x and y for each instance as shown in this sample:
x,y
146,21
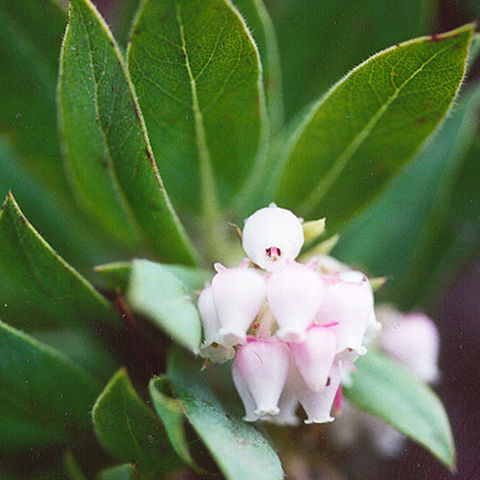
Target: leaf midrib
x,y
116,184
209,197
323,186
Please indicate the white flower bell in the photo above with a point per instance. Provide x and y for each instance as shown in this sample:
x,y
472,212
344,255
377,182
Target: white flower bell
x,y
348,301
317,405
211,324
260,371
238,295
314,356
294,294
272,235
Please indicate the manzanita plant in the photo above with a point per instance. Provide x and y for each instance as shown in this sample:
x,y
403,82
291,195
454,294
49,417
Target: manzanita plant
x,y
147,161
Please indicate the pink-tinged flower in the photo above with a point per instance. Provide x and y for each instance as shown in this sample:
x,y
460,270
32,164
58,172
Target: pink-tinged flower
x,y
413,340
347,301
272,235
210,348
317,405
288,405
314,356
294,294
260,371
238,295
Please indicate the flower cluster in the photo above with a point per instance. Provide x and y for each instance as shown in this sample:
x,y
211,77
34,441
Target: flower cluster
x,y
290,327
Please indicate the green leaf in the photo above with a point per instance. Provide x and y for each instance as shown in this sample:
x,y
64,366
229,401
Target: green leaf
x,y
72,468
108,153
162,297
400,235
359,135
30,38
129,430
320,41
170,411
384,388
38,288
260,25
126,471
198,78
59,222
82,347
238,448
30,161
20,427
42,383
117,275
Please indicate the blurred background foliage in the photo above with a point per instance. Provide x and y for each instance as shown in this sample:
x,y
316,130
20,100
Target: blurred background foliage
x,y
431,209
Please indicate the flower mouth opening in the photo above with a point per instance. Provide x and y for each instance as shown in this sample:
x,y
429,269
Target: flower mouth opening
x,y
273,253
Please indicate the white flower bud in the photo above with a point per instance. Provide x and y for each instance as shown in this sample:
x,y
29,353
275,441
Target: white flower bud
x,y
294,294
272,235
210,348
262,366
238,295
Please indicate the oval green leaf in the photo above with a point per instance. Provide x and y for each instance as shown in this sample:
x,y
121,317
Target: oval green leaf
x,y
403,235
38,288
129,430
386,389
108,153
198,77
117,274
162,297
359,135
238,448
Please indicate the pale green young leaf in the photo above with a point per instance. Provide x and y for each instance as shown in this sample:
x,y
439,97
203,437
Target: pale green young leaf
x,y
198,78
162,297
384,388
129,430
238,448
116,275
359,135
109,158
